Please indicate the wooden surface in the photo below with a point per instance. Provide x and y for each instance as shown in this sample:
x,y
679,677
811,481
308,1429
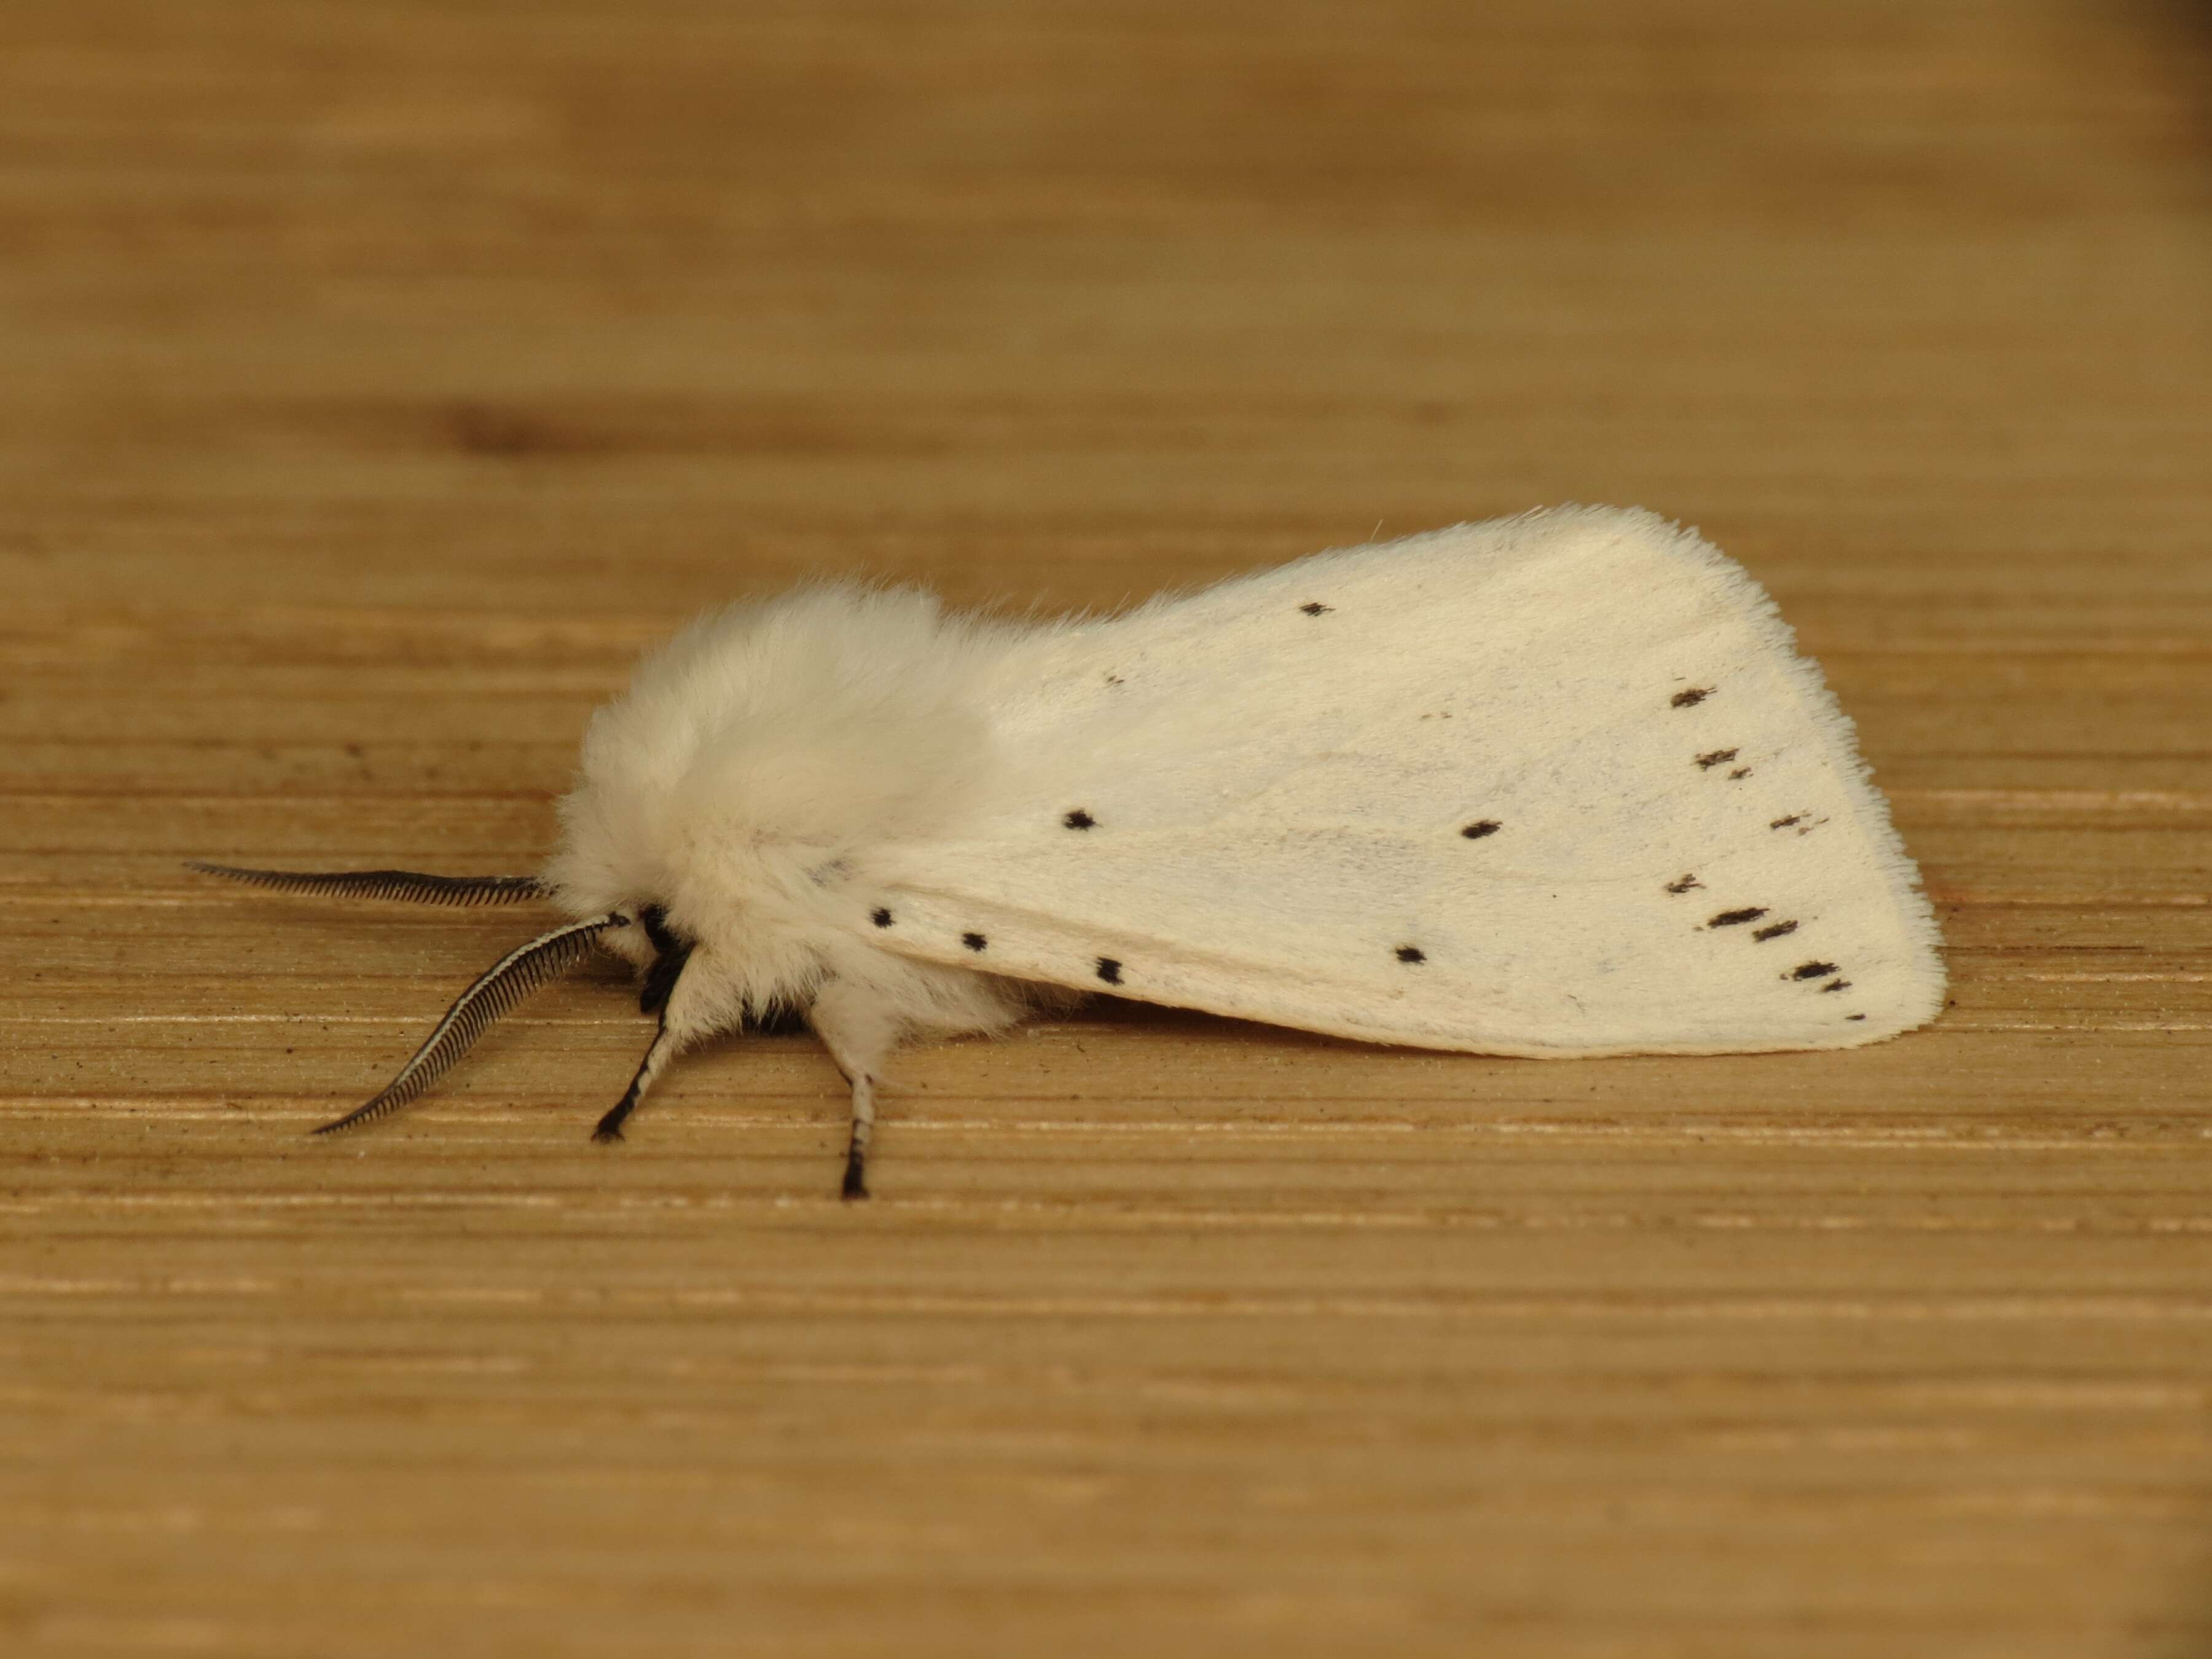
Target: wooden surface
x,y
378,379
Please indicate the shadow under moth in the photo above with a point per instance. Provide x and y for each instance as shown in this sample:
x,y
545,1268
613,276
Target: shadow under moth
x,y
1556,784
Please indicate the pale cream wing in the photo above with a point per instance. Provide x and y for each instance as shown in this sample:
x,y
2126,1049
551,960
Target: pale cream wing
x,y
1556,784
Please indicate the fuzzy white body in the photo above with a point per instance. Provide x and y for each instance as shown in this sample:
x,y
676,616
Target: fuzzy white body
x,y
1457,790
749,781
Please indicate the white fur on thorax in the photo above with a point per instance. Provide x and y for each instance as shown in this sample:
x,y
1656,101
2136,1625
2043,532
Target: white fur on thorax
x,y
752,772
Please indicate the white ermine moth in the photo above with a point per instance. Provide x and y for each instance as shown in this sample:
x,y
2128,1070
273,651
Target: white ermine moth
x,y
1554,784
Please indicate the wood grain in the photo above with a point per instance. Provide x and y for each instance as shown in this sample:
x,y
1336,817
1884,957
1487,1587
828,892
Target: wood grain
x,y
380,380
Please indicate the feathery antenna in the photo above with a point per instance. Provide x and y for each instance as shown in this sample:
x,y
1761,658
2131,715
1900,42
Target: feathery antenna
x,y
411,885
497,991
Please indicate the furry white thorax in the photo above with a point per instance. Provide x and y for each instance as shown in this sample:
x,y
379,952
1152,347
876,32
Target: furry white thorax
x,y
747,780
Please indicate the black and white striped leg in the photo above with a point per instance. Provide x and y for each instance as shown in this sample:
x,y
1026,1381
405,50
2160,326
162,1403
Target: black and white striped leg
x,y
662,1051
859,1036
864,1125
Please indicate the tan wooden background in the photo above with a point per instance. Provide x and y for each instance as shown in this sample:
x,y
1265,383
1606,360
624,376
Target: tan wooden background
x,y
375,380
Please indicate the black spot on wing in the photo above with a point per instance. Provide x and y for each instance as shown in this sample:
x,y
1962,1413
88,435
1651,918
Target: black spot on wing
x,y
1316,608
1783,823
1715,757
1683,885
1853,1016
1485,827
1411,953
1837,985
1079,819
1690,698
1739,774
1736,918
974,941
1812,970
881,917
1109,971
1774,930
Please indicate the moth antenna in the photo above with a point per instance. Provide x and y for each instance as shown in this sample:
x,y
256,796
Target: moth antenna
x,y
497,991
410,884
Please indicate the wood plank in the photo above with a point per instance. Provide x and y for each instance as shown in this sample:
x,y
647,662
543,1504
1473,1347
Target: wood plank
x,y
382,380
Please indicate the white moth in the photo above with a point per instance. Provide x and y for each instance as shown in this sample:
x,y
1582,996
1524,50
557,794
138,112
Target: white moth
x,y
1555,785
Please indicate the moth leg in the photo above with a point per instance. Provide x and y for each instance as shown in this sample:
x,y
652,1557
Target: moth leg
x,y
662,1051
679,1028
864,1126
859,1036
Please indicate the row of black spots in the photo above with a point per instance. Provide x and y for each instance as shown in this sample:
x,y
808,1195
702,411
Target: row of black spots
x,y
1803,970
1108,970
1316,608
1690,698
1806,971
1686,884
1107,967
